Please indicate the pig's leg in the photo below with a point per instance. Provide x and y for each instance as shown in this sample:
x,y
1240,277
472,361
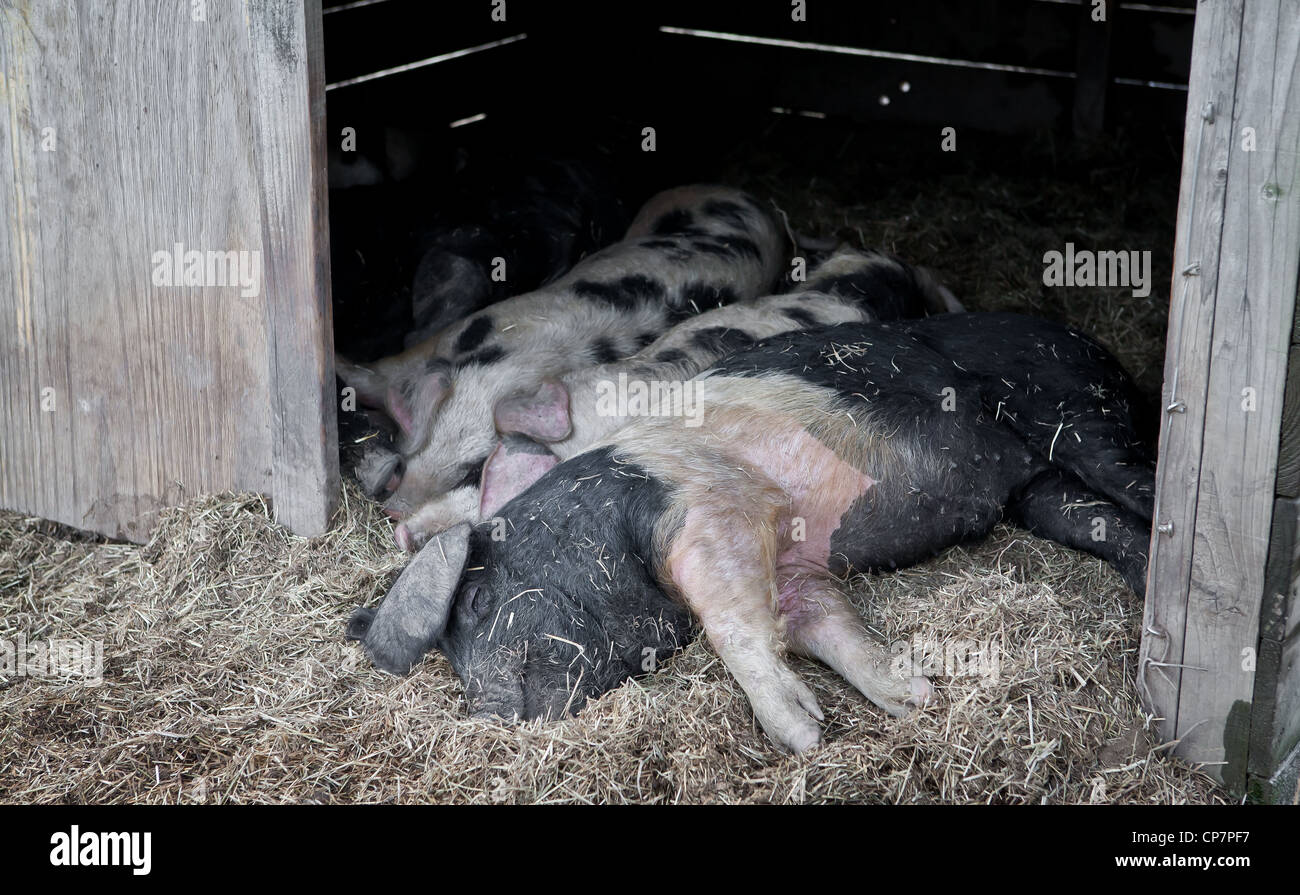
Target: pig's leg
x,y
821,624
1058,506
436,516
726,578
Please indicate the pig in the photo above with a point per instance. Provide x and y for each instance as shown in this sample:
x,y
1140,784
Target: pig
x,y
857,447
567,415
703,247
540,225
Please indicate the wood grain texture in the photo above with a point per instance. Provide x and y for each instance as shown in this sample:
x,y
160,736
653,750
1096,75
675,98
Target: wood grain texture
x,y
1202,193
1239,220
162,391
288,72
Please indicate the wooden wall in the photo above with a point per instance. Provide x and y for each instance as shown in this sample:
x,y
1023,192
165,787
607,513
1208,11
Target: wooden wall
x,y
1231,316
128,127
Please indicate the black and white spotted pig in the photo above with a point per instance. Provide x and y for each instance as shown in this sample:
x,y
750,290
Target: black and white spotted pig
x,y
709,246
846,435
568,415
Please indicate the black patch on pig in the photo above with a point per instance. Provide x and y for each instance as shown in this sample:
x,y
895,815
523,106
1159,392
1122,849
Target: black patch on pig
x,y
484,357
575,567
604,351
673,222
625,294
802,316
671,356
472,336
889,290
645,340
726,210
722,340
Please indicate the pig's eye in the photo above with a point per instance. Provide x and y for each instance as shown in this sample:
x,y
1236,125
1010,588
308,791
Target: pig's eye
x,y
477,600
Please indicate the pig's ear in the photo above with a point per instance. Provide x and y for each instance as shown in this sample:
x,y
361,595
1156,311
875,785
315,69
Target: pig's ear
x,y
415,612
541,414
371,383
515,464
413,402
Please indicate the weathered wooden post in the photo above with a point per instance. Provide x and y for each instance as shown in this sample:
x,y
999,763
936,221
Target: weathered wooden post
x,y
1230,326
165,321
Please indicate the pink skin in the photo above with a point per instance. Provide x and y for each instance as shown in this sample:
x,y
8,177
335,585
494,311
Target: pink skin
x,y
508,473
718,564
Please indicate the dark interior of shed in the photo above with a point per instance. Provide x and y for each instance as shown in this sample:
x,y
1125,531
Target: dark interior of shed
x,y
838,119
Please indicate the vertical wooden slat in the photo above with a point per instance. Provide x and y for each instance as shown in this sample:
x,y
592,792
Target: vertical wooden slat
x,y
288,70
1236,261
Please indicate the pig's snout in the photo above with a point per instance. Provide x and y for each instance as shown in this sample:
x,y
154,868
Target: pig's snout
x,y
359,624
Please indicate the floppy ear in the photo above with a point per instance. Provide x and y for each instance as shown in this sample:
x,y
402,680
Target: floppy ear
x,y
541,414
371,384
416,609
515,464
413,402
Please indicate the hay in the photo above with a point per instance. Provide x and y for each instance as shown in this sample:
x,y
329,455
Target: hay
x,y
227,679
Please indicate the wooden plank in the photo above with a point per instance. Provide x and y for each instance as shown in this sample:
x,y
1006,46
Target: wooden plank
x,y
366,39
1229,327
1152,46
162,391
1191,318
288,70
153,384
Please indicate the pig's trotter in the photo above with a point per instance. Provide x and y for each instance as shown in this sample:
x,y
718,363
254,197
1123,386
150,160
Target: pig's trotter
x,y
1059,506
787,710
825,627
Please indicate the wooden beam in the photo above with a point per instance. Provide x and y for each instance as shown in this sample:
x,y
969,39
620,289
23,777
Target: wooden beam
x,y
289,74
1236,261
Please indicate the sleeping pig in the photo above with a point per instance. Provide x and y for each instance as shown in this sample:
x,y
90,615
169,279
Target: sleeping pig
x,y
855,447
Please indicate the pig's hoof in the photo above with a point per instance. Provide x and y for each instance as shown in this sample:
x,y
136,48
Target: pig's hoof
x,y
789,714
902,696
922,693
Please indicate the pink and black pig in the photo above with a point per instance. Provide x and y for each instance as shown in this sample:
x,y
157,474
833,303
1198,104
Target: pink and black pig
x,y
852,448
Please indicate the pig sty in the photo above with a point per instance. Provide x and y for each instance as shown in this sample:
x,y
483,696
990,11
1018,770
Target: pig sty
x,y
820,453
